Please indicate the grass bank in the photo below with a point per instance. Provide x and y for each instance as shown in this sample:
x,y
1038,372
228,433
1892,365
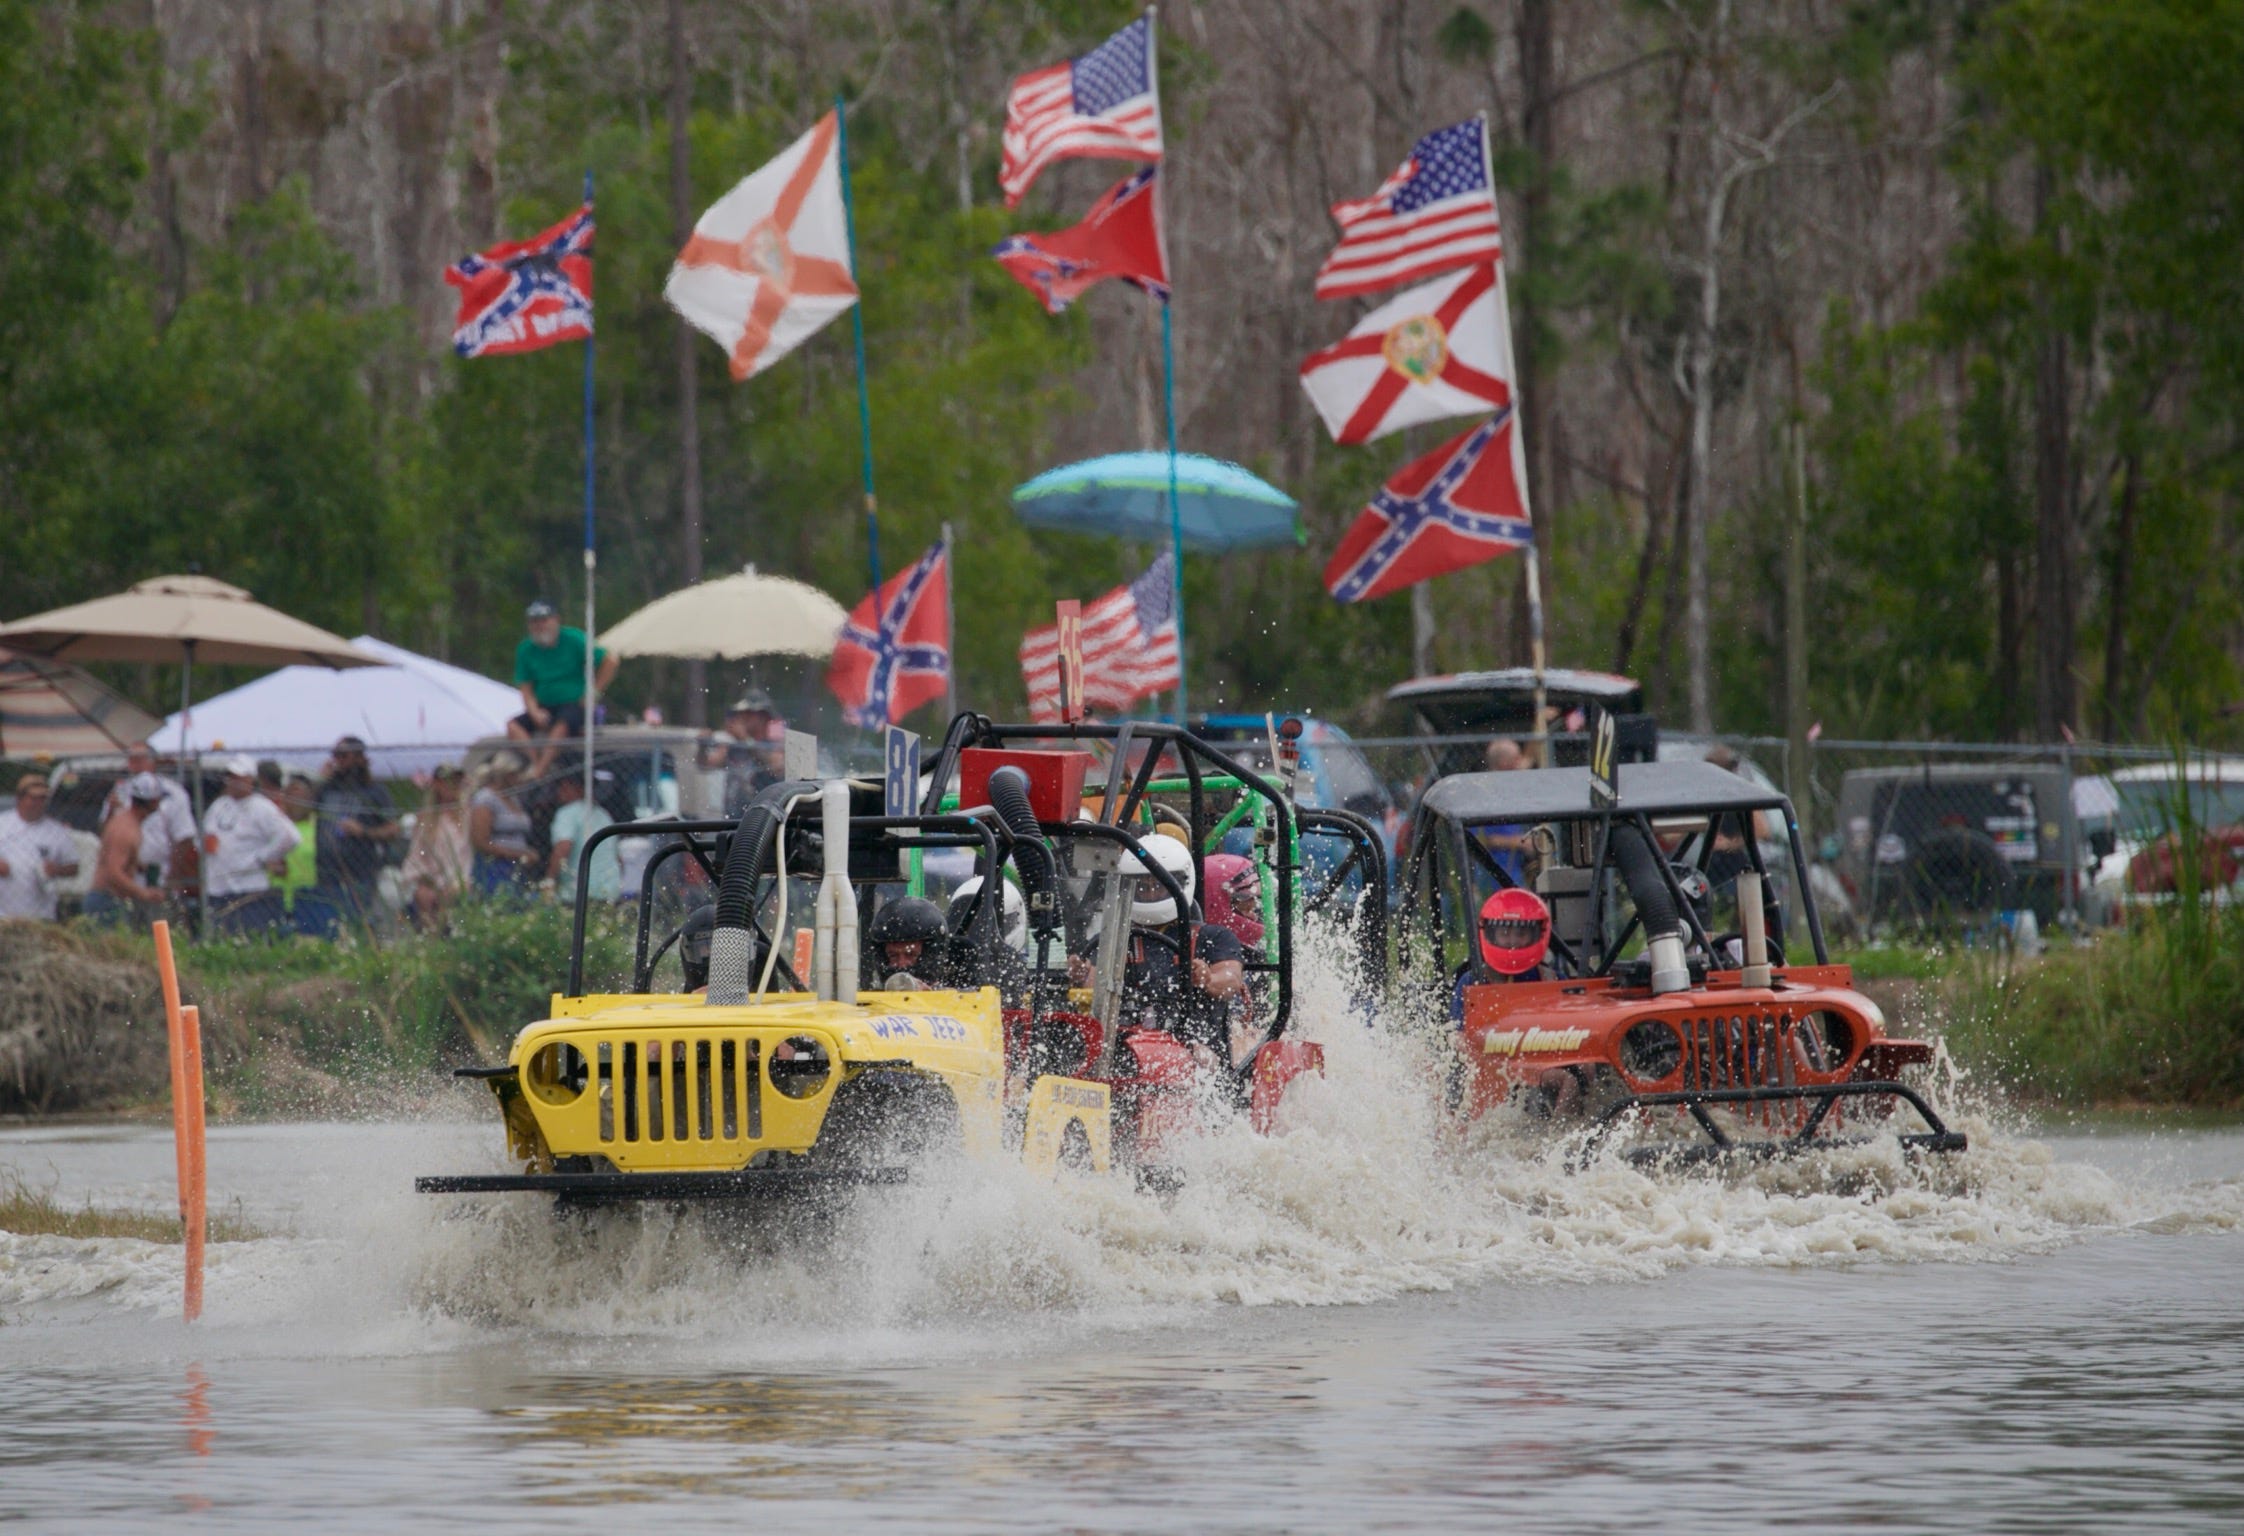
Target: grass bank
x,y
2150,1014
293,1026
35,1213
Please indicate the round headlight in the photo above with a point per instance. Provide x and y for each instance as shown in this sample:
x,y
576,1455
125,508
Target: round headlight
x,y
1651,1050
800,1067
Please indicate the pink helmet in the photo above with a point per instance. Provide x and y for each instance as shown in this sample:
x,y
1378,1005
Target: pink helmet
x,y
1233,898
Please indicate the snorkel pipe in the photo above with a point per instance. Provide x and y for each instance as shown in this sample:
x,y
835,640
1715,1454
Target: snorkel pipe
x,y
1032,856
1639,862
732,942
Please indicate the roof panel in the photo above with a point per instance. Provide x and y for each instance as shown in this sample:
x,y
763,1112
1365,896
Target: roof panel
x,y
1554,794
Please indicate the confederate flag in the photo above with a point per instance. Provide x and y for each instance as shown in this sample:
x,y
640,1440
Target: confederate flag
x,y
895,652
1464,503
1119,237
526,294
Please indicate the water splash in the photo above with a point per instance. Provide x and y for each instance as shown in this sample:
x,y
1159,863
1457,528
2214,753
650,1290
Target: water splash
x,y
1368,1191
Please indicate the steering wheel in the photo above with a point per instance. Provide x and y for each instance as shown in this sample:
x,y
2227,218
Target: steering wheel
x,y
787,971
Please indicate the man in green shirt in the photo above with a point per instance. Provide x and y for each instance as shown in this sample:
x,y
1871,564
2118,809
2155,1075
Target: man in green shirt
x,y
549,669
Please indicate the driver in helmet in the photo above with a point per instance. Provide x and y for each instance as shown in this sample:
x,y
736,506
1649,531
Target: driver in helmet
x,y
1183,976
1515,936
1005,965
905,936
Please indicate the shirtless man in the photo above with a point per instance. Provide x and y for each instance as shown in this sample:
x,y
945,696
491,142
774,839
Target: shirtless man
x,y
118,893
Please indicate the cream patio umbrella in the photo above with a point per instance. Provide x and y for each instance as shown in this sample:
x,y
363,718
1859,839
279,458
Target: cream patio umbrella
x,y
732,618
50,708
183,619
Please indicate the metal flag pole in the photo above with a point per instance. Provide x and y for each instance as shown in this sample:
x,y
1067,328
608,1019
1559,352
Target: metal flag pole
x,y
857,324
1510,375
591,560
950,626
1176,507
1168,366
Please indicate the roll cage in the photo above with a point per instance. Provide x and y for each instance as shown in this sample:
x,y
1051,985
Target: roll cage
x,y
1655,797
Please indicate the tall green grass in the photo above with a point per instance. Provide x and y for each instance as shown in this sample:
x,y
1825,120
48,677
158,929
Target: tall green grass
x,y
361,1010
2151,1012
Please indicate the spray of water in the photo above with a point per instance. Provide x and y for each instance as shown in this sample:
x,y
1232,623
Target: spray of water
x,y
1367,1191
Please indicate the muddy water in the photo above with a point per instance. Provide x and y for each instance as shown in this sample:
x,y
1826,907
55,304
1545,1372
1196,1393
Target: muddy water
x,y
1353,1324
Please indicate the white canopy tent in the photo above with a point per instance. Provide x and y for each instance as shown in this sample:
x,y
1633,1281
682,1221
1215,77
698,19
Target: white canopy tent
x,y
413,713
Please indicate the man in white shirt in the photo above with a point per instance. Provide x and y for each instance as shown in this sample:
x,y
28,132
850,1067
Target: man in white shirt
x,y
246,841
34,852
173,825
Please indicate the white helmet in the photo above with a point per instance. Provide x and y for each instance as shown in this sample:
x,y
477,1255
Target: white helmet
x,y
1152,906
1016,913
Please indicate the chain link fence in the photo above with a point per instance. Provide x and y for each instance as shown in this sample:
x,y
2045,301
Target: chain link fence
x,y
1922,835
1906,835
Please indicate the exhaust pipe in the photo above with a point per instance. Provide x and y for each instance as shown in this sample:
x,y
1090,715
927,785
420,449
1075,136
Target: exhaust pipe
x,y
1753,922
835,914
1655,906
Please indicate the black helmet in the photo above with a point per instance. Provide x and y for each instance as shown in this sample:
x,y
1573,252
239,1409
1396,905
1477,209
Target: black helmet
x,y
907,920
693,945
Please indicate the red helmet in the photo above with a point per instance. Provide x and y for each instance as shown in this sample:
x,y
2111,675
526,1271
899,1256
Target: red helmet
x,y
1515,931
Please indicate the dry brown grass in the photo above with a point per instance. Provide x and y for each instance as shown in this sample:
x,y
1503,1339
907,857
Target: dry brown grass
x,y
36,1213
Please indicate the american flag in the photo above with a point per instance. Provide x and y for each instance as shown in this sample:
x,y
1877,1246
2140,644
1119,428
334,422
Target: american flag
x,y
1102,105
1129,647
526,294
1436,212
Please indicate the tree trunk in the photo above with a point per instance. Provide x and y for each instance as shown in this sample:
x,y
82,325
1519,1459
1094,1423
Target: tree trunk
x,y
689,424
1697,657
1522,251
2115,618
479,184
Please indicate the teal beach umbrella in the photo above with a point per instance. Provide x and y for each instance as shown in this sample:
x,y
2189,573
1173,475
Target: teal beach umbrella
x,y
1126,496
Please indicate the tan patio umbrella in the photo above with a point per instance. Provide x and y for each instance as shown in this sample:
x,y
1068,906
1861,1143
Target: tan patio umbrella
x,y
732,618
55,709
183,619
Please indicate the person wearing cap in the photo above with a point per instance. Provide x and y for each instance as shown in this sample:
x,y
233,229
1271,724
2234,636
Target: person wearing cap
x,y
357,822
119,894
246,842
167,839
751,756
549,669
575,821
34,852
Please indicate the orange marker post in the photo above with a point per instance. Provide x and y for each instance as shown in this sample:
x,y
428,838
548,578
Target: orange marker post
x,y
168,973
183,1030
192,1192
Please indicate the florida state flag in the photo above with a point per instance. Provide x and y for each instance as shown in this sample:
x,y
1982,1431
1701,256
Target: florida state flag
x,y
1120,237
769,262
895,652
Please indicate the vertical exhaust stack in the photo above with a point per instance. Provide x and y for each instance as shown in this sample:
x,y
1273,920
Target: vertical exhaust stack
x,y
1639,861
1753,924
836,910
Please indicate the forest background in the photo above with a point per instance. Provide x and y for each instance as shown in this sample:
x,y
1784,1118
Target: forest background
x,y
1944,297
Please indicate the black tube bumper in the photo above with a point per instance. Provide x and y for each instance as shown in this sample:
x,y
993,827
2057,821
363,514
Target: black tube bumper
x,y
1718,1143
805,1184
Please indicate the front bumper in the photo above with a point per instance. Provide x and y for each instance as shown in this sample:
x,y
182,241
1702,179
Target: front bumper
x,y
806,1184
1719,1144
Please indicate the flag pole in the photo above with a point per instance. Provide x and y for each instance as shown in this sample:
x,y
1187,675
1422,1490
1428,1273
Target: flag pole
x,y
1535,651
1168,363
591,560
857,324
950,626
